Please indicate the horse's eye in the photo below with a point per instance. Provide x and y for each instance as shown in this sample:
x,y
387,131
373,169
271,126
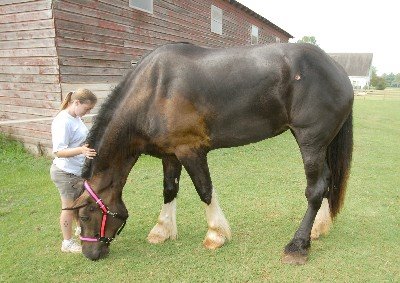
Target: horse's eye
x,y
84,218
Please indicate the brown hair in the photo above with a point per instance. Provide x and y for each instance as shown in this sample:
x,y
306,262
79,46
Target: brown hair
x,y
81,94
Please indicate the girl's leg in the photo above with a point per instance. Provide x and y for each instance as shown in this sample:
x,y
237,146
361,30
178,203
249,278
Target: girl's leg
x,y
67,217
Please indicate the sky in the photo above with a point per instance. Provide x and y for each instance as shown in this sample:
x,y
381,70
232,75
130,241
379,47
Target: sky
x,y
351,26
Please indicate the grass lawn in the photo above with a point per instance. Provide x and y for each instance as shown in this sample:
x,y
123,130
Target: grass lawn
x,y
261,190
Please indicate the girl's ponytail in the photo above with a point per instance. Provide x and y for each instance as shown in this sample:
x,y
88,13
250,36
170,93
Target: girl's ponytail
x,y
83,95
66,100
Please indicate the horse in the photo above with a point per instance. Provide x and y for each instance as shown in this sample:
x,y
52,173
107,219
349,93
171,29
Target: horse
x,y
182,101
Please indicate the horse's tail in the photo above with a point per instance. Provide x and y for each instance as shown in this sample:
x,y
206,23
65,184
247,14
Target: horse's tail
x,y
339,155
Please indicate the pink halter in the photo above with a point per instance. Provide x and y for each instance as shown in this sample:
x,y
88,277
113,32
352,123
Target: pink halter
x,y
106,212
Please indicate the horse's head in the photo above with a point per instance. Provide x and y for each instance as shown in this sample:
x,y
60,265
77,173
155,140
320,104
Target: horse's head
x,y
101,219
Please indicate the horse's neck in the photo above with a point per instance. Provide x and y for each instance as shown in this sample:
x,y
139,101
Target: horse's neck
x,y
114,158
115,174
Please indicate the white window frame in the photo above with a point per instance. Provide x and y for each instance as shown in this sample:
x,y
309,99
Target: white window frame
x,y
216,19
277,39
254,34
142,5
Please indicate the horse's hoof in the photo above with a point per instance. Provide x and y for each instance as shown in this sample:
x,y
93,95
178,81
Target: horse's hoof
x,y
213,240
159,235
294,258
155,239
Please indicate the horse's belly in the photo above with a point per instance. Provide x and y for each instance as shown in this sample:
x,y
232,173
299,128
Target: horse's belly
x,y
244,132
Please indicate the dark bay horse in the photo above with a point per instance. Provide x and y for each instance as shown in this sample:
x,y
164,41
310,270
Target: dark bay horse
x,y
181,101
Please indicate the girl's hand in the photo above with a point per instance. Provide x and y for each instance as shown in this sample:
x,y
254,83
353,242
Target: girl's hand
x,y
89,153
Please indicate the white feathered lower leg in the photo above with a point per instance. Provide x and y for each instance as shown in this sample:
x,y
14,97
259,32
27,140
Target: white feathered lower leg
x,y
218,227
166,226
322,222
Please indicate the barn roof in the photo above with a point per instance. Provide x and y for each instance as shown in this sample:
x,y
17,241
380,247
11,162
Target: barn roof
x,y
355,64
255,15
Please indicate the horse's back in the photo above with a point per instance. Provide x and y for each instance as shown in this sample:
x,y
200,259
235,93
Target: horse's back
x,y
234,96
235,91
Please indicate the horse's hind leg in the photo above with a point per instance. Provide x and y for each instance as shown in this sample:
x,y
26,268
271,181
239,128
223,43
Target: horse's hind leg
x,y
195,163
317,174
322,222
166,226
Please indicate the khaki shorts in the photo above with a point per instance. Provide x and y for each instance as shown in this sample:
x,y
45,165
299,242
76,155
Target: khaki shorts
x,y
69,185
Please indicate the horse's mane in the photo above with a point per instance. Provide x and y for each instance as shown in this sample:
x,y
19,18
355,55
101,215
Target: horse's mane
x,y
101,121
106,113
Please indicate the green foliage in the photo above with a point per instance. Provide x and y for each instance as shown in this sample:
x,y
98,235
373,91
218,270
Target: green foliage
x,y
261,190
392,80
308,39
396,82
386,80
10,148
377,81
374,76
381,83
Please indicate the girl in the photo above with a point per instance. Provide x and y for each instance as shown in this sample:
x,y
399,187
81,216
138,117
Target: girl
x,y
68,135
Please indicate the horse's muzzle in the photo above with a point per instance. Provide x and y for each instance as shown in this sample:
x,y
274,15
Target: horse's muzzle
x,y
95,251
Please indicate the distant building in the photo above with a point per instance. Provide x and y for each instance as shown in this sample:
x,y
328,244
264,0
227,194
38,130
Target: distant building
x,y
358,67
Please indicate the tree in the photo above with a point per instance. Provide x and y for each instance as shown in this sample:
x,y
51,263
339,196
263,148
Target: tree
x,y
374,76
308,39
396,82
389,78
392,80
381,83
377,81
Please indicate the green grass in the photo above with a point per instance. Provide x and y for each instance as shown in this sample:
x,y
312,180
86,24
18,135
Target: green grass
x,y
261,189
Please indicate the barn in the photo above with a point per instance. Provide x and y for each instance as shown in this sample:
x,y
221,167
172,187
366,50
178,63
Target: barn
x,y
358,67
51,47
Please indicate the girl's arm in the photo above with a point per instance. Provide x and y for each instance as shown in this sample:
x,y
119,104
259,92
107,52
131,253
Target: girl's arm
x,y
70,152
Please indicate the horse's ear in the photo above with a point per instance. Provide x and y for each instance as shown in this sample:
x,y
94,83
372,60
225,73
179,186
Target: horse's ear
x,y
82,200
79,202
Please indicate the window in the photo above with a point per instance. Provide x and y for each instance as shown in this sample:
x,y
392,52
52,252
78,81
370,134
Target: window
x,y
142,5
254,34
277,39
216,20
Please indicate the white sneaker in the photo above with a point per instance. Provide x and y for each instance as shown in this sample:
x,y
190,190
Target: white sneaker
x,y
70,246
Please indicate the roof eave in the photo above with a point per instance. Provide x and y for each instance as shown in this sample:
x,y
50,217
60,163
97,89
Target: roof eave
x,y
254,14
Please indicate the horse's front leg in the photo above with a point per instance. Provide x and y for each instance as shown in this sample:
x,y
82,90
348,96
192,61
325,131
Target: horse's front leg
x,y
166,226
218,227
195,163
